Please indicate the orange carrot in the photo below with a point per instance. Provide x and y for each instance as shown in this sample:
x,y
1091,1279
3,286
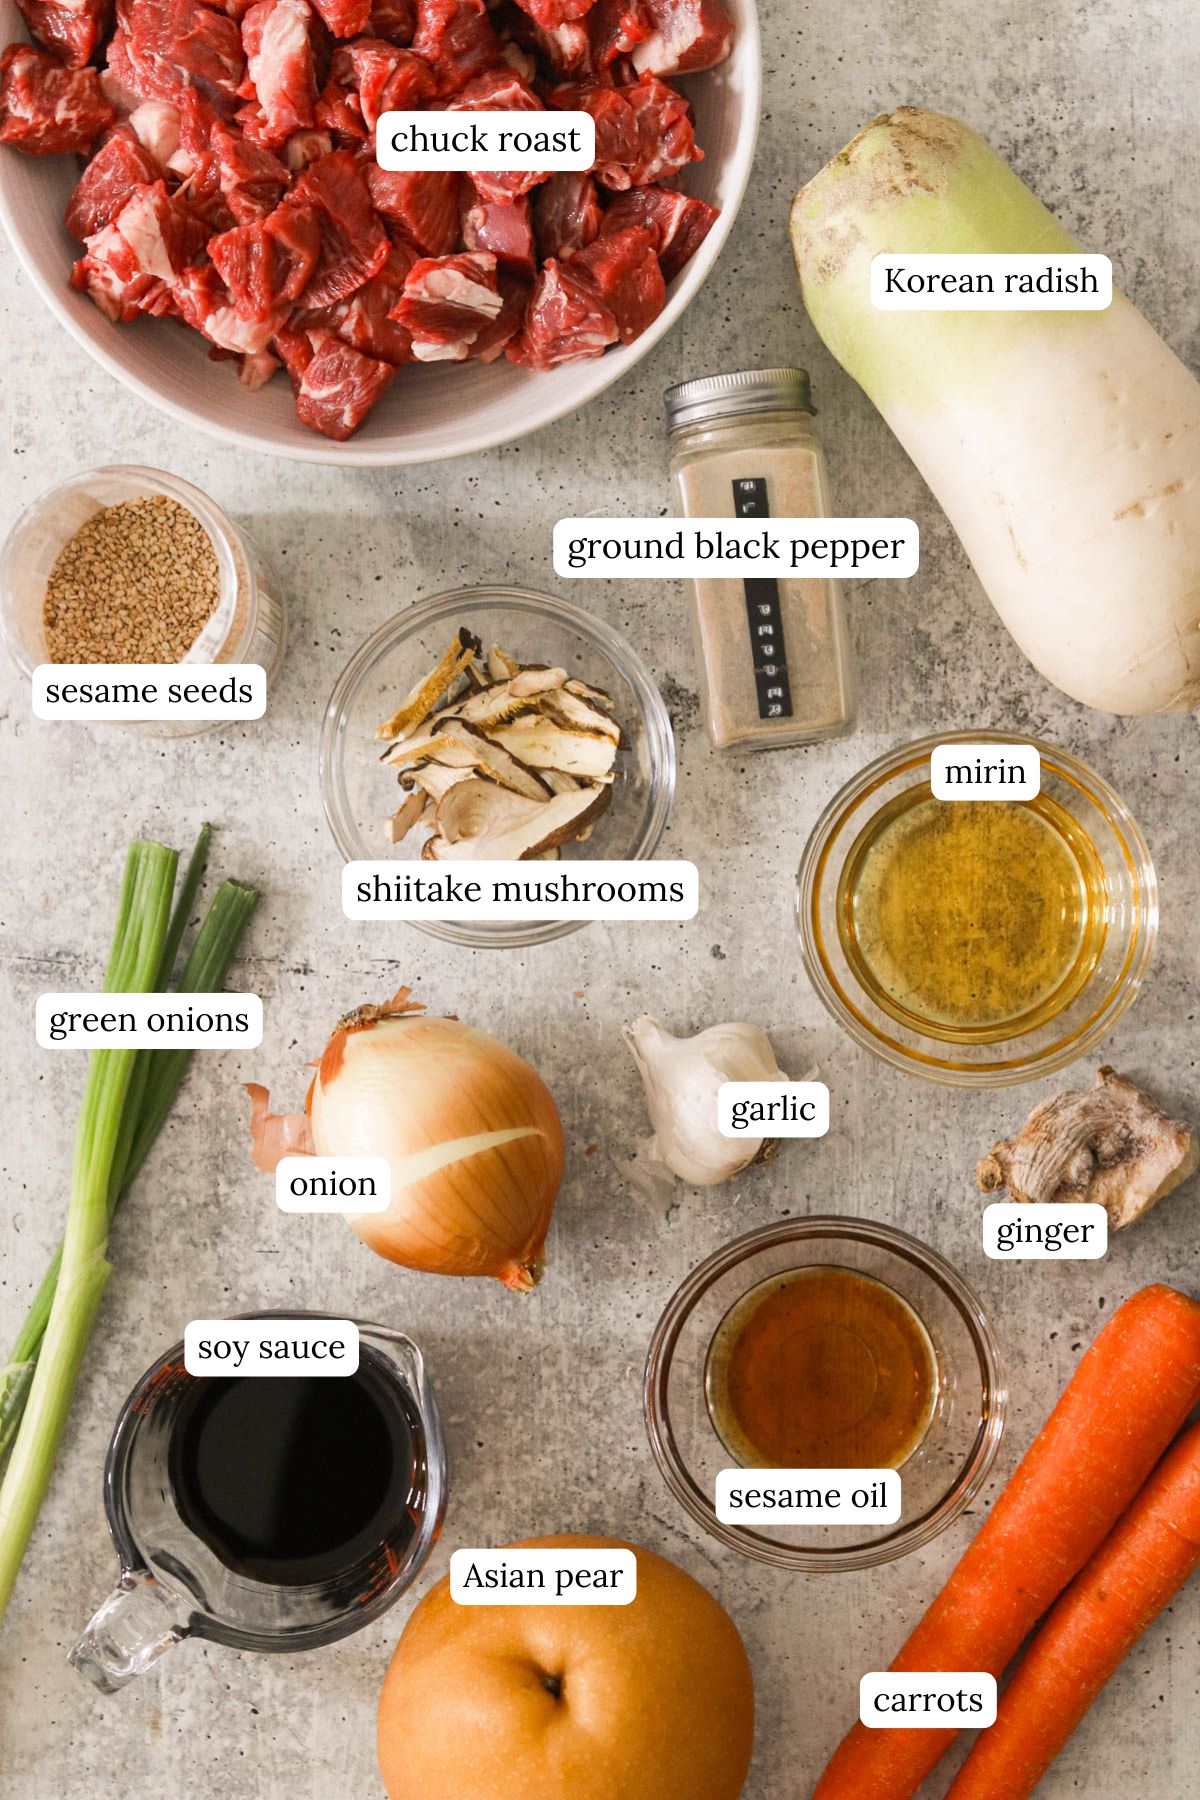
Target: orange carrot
x,y
1141,1566
1125,1402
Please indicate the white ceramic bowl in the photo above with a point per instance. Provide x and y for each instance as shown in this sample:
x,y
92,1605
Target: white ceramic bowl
x,y
429,413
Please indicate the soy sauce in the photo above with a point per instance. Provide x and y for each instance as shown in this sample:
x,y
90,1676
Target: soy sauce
x,y
295,1479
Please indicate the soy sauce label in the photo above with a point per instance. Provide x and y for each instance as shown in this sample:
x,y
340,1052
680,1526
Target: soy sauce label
x,y
764,613
271,1347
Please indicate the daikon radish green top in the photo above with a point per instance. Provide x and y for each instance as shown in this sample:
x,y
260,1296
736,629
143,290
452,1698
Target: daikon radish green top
x,y
1063,446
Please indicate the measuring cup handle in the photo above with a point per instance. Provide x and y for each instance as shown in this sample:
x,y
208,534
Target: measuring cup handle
x,y
135,1626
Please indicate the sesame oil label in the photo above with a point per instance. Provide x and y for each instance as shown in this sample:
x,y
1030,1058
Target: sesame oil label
x,y
764,613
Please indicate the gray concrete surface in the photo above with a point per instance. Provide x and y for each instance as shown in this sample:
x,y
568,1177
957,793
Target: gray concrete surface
x,y
1096,104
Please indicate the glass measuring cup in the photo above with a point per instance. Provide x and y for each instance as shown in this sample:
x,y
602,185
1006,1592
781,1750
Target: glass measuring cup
x,y
174,1586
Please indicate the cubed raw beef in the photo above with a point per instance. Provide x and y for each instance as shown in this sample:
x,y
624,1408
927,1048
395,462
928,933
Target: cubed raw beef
x,y
119,167
680,222
279,67
617,137
386,79
339,387
304,147
131,264
364,319
447,301
685,36
339,112
495,336
354,244
294,352
566,214
204,303
267,265
345,18
504,228
567,49
256,369
251,179
155,124
623,267
644,131
45,109
70,28
565,321
393,20
500,90
551,13
456,39
162,47
615,28
423,206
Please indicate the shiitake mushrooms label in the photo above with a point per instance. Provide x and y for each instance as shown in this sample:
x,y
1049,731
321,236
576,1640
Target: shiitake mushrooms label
x,y
149,1021
991,281
1054,1231
333,1184
808,1496
532,891
888,1700
137,693
567,1577
286,1346
985,771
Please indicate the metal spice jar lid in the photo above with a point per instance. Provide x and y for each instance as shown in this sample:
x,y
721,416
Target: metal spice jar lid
x,y
750,391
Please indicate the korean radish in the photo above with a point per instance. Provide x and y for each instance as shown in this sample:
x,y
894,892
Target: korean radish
x,y
1125,1402
1063,446
1138,1570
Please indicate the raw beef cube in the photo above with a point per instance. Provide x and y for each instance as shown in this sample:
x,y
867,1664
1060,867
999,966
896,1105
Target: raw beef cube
x,y
345,18
551,13
339,112
623,268
118,167
354,244
565,321
339,387
294,352
257,368
46,109
251,179
70,28
279,67
131,264
566,214
268,265
666,137
614,28
617,135
446,303
393,20
423,206
155,123
567,48
304,147
387,79
364,319
205,304
456,39
500,90
685,35
162,47
504,228
680,222
495,336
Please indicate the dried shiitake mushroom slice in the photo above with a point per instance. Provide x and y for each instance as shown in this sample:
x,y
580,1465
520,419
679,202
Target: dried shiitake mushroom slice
x,y
478,820
427,694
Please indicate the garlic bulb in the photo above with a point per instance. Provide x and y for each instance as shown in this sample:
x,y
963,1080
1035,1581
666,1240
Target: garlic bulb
x,y
682,1077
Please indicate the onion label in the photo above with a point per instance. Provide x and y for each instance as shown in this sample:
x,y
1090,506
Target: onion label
x,y
774,1109
149,1021
565,1577
991,281
887,1700
531,891
735,549
286,1346
333,1184
985,772
808,1496
476,138
131,693
1054,1231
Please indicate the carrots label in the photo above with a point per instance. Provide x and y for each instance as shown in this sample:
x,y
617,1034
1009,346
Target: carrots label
x,y
917,1701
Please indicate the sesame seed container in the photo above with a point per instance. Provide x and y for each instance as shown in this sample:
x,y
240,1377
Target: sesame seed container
x,y
247,625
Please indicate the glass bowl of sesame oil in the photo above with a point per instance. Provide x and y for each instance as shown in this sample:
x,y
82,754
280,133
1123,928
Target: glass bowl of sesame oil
x,y
977,942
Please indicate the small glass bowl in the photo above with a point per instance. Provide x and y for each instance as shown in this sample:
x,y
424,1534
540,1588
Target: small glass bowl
x,y
941,1477
248,625
358,792
1130,923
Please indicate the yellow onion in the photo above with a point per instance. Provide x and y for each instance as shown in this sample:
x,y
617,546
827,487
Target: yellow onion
x,y
469,1130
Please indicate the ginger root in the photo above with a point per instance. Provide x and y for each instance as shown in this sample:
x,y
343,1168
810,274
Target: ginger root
x,y
1111,1144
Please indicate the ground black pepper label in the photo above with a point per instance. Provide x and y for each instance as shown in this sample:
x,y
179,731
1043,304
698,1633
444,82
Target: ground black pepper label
x,y
763,612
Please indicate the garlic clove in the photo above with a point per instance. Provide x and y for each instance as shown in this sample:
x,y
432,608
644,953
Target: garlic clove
x,y
681,1077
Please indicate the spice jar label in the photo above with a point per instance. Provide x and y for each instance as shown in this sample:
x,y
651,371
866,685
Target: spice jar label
x,y
891,1701
136,693
420,891
991,281
773,1109
333,1184
285,1346
735,549
149,1021
808,1496
543,1577
985,772
500,140
1053,1231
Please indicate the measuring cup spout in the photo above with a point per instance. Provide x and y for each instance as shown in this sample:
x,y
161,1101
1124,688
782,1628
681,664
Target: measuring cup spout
x,y
136,1625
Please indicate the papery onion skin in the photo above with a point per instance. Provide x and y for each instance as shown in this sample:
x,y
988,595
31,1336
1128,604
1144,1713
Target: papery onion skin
x,y
483,1130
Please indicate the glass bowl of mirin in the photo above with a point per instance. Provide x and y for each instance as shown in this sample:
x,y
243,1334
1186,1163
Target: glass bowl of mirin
x,y
358,792
941,1477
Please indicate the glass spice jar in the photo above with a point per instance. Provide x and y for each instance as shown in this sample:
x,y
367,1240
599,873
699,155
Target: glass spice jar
x,y
247,625
774,659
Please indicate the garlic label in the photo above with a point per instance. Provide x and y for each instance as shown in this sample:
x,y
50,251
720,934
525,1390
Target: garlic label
x,y
787,1108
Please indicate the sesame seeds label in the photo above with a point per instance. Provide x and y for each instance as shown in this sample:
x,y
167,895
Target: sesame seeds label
x,y
132,693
